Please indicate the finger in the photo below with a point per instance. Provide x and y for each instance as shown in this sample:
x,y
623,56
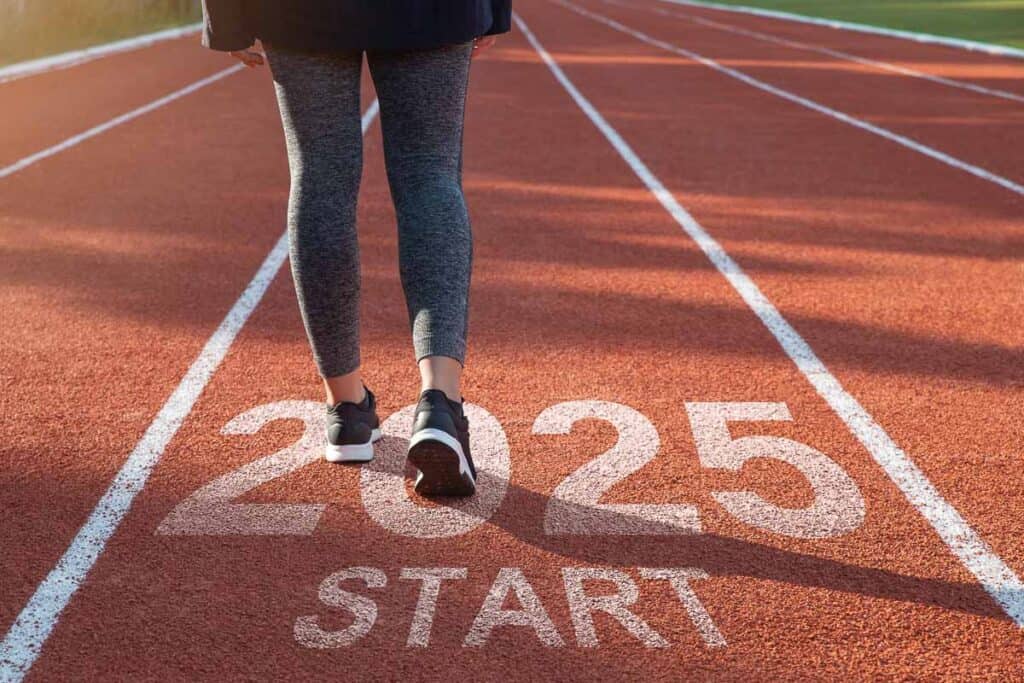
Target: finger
x,y
252,59
485,43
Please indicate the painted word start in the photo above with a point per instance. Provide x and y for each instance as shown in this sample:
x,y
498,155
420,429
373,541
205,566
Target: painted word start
x,y
528,612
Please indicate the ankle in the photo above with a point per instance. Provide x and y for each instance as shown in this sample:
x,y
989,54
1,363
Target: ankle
x,y
345,389
443,373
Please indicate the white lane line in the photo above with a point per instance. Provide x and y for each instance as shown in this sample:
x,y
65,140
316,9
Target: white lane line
x,y
116,121
991,572
977,171
960,43
75,57
26,637
838,54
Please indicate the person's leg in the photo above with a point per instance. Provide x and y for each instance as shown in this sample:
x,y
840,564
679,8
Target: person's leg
x,y
318,97
422,104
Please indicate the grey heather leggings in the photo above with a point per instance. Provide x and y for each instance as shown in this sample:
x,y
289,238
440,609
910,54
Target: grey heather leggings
x,y
422,97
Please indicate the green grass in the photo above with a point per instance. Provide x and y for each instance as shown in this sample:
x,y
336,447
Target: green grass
x,y
36,28
990,21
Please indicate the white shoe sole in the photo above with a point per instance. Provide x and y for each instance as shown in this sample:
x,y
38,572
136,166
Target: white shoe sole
x,y
353,452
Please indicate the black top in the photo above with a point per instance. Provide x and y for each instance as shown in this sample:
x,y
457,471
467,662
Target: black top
x,y
351,24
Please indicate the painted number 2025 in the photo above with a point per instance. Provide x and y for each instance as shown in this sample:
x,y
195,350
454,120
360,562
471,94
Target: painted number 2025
x,y
575,508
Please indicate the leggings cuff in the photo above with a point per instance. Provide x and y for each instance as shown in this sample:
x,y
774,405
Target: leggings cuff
x,y
435,346
338,368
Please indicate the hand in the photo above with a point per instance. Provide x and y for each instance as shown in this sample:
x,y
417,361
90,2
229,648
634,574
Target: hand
x,y
482,43
250,56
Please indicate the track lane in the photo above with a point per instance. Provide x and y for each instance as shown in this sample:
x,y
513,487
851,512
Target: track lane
x,y
106,126
584,289
112,288
934,361
803,45
948,62
117,283
43,109
979,130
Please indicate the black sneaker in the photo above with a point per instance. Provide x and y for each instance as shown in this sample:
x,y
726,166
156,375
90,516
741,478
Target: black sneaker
x,y
439,447
351,430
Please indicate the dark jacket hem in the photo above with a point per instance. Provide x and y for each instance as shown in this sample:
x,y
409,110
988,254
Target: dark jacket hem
x,y
501,11
328,43
335,25
227,25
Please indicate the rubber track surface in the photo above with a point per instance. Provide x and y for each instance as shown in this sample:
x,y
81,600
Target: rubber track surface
x,y
123,254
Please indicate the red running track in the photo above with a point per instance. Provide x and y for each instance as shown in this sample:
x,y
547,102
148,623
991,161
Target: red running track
x,y
590,303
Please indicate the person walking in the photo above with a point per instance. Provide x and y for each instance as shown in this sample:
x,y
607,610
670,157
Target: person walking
x,y
418,53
